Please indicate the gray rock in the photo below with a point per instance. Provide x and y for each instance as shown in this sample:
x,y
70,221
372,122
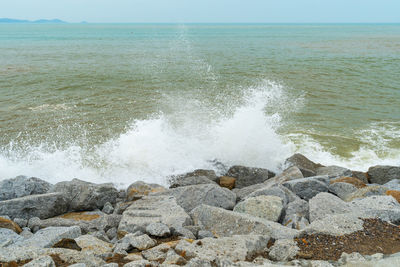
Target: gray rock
x,y
296,222
84,265
108,208
21,222
382,174
350,258
306,166
196,262
193,178
140,242
158,253
371,190
100,235
297,214
152,209
277,190
246,176
362,176
139,189
112,233
173,258
8,237
94,245
325,204
158,229
333,171
342,190
393,184
283,250
21,186
307,188
46,238
34,224
385,208
42,206
227,223
204,234
234,248
189,197
140,263
26,233
265,207
113,264
84,196
45,261
336,225
184,232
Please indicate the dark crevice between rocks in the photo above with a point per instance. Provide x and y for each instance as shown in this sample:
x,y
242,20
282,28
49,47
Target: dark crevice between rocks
x,y
14,263
117,258
377,237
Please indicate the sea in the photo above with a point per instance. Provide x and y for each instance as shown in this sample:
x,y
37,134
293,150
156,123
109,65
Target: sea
x,y
126,102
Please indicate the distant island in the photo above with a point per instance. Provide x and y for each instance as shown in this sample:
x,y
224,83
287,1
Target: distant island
x,y
40,21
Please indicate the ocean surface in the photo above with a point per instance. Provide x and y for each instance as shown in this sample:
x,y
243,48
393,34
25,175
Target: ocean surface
x,y
125,102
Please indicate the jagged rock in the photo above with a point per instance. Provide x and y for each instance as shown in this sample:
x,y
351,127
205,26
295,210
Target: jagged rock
x,y
46,238
227,182
297,214
277,190
45,261
233,248
173,258
26,233
350,180
151,209
246,176
204,234
393,184
333,171
395,194
140,242
88,221
158,253
158,229
8,237
42,206
283,250
307,188
21,186
296,222
382,174
108,208
141,263
325,204
306,166
112,233
184,232
84,196
6,223
336,225
265,207
350,258
385,208
227,223
199,176
21,222
140,189
189,197
93,244
373,190
342,190
362,176
196,262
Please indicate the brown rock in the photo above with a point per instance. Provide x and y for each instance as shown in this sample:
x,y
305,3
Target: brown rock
x,y
140,189
67,243
394,193
80,216
6,223
363,176
227,182
350,180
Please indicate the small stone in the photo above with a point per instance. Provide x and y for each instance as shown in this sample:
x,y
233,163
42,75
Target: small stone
x,y
34,224
108,208
113,264
158,230
141,242
227,182
21,222
157,253
44,261
93,244
67,243
354,257
183,232
283,250
112,233
203,234
80,265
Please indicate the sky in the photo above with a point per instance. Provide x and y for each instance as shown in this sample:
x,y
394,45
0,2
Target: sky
x,y
205,11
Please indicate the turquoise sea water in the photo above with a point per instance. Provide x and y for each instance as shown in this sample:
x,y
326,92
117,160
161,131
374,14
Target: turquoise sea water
x,y
120,102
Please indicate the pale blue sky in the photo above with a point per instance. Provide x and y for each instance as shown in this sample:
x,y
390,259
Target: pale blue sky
x,y
225,11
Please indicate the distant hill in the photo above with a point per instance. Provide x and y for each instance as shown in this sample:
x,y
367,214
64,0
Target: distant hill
x,y
40,21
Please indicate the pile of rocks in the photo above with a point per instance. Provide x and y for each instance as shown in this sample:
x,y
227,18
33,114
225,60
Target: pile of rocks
x,y
307,215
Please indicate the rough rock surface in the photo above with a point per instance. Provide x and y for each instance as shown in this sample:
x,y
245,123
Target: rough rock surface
x,y
306,166
227,182
42,206
393,184
372,190
84,196
93,244
21,186
228,223
8,237
45,261
246,176
325,204
265,207
333,171
189,197
283,250
140,189
307,188
381,174
277,190
158,229
342,190
152,209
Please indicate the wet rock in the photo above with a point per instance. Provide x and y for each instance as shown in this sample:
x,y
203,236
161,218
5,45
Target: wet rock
x,y
85,196
342,190
233,248
153,209
373,190
227,182
227,223
93,244
140,189
325,204
306,166
382,174
362,176
108,208
21,186
8,237
158,230
6,223
333,171
45,261
265,207
283,250
307,188
42,206
189,197
246,176
46,238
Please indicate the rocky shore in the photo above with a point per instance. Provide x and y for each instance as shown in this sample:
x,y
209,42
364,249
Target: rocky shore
x,y
308,215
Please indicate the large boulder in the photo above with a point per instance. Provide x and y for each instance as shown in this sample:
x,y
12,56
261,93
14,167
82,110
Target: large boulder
x,y
21,186
382,174
372,190
266,207
335,225
228,223
297,214
8,237
307,188
94,245
325,204
140,189
333,171
277,190
83,196
246,176
189,197
152,209
306,166
342,190
235,248
42,206
192,178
